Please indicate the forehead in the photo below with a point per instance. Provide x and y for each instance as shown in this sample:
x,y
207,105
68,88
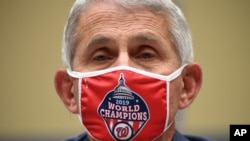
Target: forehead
x,y
101,15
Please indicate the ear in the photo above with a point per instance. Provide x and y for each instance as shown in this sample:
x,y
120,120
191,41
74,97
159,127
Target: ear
x,y
192,80
64,88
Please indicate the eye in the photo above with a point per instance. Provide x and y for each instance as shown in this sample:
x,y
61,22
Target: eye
x,y
146,54
102,55
101,58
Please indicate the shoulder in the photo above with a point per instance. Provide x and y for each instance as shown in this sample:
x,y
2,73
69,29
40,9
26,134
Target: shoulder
x,y
179,137
197,138
82,137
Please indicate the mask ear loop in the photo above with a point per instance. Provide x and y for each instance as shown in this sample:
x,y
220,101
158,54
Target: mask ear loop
x,y
73,73
168,79
79,100
168,97
80,79
79,106
167,124
171,77
175,74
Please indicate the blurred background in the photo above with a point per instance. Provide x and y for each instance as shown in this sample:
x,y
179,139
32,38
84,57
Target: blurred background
x,y
30,53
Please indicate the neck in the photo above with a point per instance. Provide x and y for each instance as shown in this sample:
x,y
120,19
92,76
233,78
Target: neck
x,y
168,134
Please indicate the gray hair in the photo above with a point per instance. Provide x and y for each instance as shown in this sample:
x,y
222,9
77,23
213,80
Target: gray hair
x,y
179,29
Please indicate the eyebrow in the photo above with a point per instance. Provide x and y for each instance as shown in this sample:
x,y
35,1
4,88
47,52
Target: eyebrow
x,y
140,37
99,40
147,37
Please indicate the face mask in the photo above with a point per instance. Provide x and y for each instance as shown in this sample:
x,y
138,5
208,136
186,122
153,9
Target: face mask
x,y
124,103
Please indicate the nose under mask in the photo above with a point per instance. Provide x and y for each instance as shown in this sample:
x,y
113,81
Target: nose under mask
x,y
124,103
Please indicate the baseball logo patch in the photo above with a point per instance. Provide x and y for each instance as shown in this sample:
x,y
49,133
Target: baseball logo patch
x,y
124,111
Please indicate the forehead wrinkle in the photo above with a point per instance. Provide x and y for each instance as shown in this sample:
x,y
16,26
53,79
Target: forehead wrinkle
x,y
118,19
102,16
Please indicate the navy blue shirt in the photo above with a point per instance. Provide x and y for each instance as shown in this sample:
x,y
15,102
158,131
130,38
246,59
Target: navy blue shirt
x,y
177,137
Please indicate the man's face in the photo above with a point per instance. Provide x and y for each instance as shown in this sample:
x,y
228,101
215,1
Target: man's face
x,y
110,36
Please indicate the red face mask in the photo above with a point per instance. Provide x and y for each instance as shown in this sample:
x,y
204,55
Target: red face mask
x,y
124,103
